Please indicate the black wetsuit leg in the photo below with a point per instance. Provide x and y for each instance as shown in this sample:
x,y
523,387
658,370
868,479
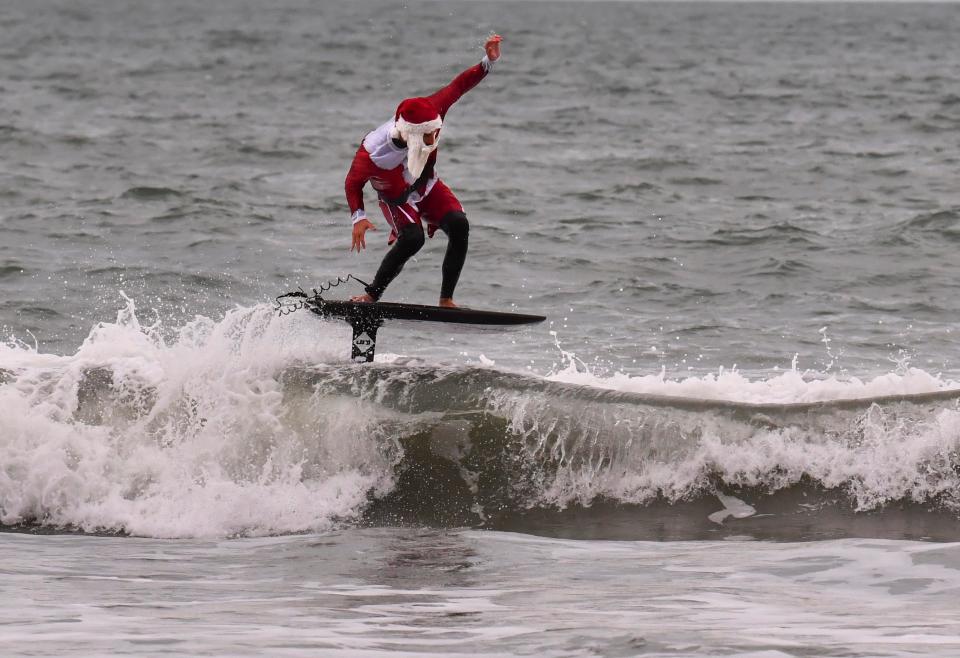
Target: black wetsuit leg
x,y
457,228
409,240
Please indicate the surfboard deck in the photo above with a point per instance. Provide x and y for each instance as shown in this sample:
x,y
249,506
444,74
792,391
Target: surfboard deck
x,y
367,317
419,312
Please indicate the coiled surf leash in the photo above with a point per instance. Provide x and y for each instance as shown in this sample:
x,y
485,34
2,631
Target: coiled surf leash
x,y
298,299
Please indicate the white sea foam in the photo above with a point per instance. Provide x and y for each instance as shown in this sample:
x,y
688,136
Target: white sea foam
x,y
873,459
191,437
198,434
631,453
789,386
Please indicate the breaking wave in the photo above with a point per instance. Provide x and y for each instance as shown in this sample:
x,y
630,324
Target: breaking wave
x,y
255,425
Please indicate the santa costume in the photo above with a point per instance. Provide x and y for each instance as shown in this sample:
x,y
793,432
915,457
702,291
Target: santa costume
x,y
401,167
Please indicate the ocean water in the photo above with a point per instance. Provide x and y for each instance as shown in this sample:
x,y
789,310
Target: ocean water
x,y
737,434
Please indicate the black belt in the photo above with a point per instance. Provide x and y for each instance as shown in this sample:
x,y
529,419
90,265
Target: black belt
x,y
402,199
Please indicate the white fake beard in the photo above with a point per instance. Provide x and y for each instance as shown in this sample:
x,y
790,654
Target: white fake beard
x,y
418,153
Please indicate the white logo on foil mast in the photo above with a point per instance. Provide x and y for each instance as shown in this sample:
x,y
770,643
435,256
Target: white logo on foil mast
x,y
363,342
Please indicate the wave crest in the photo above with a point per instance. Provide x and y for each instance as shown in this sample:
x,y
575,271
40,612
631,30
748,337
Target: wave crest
x,y
254,425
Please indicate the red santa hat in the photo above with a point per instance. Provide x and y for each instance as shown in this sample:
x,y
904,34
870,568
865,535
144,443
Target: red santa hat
x,y
416,116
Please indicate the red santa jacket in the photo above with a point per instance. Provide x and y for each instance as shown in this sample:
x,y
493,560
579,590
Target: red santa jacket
x,y
383,163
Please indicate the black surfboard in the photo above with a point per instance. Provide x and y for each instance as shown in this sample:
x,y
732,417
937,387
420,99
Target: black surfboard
x,y
393,311
366,318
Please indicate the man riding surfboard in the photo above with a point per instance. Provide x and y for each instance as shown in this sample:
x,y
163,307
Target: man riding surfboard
x,y
399,160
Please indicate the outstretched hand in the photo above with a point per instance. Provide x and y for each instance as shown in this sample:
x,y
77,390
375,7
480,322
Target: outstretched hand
x,y
492,46
359,241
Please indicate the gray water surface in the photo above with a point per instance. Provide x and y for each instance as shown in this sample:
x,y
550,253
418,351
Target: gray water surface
x,y
754,202
680,185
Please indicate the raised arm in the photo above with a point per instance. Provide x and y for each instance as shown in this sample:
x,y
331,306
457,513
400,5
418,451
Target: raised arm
x,y
446,97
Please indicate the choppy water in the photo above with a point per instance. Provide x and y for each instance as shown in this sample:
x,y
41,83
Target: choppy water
x,y
740,219
417,592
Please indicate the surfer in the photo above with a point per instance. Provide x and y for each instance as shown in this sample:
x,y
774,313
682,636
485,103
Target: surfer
x,y
399,159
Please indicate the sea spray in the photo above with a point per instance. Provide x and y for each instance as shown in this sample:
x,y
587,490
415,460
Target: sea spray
x,y
189,438
654,438
256,425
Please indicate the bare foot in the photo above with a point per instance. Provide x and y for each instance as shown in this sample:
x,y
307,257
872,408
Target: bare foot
x,y
367,299
447,302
